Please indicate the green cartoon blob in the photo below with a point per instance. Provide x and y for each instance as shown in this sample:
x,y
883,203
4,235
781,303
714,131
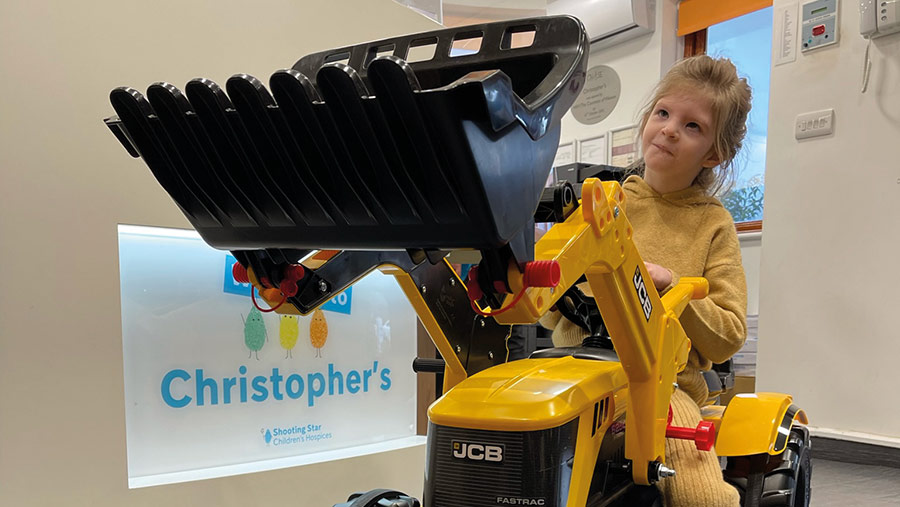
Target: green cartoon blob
x,y
254,332
288,332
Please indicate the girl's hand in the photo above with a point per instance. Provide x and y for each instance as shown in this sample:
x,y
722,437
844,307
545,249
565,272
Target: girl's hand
x,y
661,276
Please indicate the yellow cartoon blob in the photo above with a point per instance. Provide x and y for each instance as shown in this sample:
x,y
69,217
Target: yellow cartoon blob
x,y
288,332
318,331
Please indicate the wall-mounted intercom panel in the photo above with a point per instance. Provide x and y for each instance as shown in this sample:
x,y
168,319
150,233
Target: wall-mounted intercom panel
x,y
820,24
878,17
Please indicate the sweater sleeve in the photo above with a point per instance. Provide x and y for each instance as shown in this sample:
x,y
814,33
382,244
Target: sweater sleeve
x,y
565,332
550,319
717,324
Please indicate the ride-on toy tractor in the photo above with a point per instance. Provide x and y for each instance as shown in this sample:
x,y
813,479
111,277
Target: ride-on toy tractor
x,y
355,162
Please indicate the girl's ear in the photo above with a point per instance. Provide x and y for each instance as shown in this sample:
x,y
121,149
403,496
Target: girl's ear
x,y
712,159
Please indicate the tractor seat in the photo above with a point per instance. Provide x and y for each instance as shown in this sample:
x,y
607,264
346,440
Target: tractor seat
x,y
720,378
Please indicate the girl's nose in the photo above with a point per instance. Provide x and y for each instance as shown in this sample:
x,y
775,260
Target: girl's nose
x,y
669,131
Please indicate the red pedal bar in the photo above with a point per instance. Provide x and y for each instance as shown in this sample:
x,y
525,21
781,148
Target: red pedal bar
x,y
704,435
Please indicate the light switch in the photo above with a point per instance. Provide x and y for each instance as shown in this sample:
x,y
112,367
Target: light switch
x,y
814,124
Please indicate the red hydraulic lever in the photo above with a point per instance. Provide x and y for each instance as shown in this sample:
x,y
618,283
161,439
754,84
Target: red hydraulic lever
x,y
704,435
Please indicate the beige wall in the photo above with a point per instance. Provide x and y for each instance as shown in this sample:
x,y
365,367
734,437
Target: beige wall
x,y
829,274
65,183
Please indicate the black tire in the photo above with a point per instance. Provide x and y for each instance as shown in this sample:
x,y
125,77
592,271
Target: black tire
x,y
372,498
774,481
803,486
639,496
756,481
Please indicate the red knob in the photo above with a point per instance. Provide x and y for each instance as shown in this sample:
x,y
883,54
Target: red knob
x,y
542,274
288,287
704,436
292,274
239,273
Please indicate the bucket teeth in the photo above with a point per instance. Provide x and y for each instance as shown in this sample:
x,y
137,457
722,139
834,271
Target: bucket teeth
x,y
358,148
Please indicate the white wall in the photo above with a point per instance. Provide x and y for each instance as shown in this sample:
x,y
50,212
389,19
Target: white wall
x,y
65,182
829,276
640,63
751,251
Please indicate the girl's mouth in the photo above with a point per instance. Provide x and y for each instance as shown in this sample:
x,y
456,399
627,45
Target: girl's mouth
x,y
662,149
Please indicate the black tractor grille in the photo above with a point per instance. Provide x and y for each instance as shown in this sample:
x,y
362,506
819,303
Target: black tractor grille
x,y
478,468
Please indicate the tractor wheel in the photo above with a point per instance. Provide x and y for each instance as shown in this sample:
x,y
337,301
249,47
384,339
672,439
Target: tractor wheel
x,y
376,497
774,481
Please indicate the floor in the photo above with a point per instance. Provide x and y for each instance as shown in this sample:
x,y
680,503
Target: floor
x,y
849,485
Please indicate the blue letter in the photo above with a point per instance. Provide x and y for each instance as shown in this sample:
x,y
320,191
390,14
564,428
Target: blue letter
x,y
211,384
227,384
166,389
243,371
259,386
291,380
385,379
353,381
332,376
312,391
276,379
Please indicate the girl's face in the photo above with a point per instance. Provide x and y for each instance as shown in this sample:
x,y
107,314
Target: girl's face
x,y
678,141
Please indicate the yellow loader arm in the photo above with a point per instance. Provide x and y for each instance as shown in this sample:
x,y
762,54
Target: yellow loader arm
x,y
596,240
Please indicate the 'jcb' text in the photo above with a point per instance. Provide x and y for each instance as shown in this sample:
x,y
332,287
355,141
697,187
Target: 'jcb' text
x,y
477,452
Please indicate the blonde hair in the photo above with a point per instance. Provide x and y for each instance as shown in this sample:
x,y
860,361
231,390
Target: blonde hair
x,y
729,94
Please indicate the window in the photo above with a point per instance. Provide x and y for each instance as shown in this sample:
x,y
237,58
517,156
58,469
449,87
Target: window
x,y
747,41
745,36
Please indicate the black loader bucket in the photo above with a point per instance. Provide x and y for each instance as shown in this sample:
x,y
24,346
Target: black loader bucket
x,y
350,150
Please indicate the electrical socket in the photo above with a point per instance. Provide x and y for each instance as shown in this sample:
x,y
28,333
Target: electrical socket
x,y
814,124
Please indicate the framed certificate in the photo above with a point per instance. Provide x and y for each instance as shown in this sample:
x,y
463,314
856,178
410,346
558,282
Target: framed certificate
x,y
623,146
593,150
565,154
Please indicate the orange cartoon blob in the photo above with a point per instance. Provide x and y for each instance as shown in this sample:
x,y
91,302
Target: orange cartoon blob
x,y
318,331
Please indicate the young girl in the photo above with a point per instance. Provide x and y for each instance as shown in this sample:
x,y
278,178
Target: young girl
x,y
690,134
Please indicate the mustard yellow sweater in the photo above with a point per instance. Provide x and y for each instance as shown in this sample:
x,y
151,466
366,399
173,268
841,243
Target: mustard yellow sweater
x,y
691,234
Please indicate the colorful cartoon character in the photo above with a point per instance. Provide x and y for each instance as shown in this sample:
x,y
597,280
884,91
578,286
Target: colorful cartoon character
x,y
288,332
318,331
255,335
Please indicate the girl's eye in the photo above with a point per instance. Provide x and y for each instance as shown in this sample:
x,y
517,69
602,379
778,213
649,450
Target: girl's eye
x,y
662,113
693,126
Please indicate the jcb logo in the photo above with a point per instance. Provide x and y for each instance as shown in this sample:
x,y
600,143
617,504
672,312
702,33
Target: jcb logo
x,y
477,452
642,293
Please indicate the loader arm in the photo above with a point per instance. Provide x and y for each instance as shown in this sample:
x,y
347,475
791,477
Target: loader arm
x,y
596,241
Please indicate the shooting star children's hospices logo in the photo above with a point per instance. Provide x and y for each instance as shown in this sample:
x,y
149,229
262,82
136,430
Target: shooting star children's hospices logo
x,y
294,434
